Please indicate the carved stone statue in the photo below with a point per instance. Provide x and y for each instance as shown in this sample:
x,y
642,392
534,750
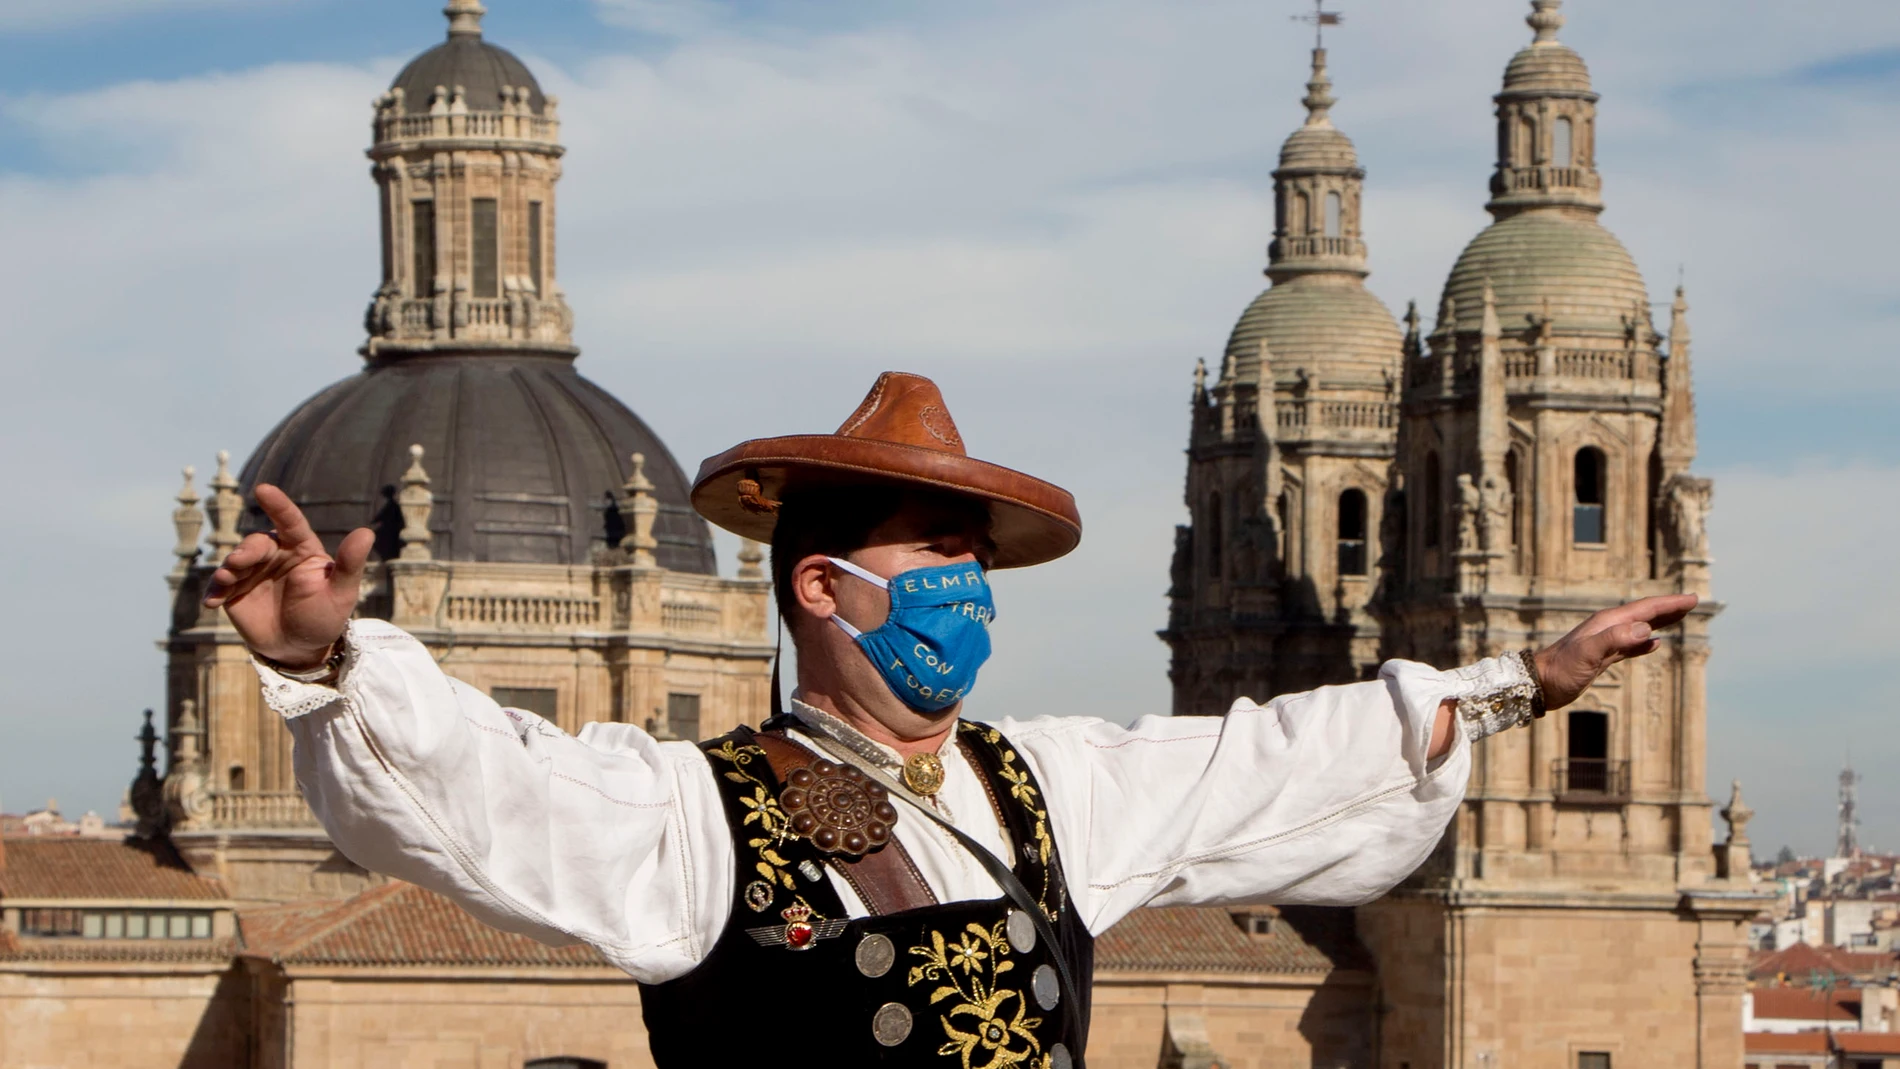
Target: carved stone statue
x,y
1496,505
187,784
1685,509
1470,515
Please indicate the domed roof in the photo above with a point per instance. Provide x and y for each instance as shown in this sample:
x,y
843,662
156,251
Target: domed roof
x,y
1321,146
1318,321
465,59
525,459
1546,64
1564,257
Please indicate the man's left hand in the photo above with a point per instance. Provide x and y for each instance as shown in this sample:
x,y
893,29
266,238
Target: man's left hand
x,y
1569,665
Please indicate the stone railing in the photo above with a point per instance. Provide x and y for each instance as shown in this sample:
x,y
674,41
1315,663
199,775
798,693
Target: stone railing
x,y
491,125
1599,363
517,317
512,610
1545,178
1293,416
1306,245
686,617
261,809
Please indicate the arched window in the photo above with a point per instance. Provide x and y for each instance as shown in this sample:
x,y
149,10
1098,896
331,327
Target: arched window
x,y
1517,496
1352,532
1215,520
1560,152
1434,500
237,777
1587,753
1587,526
422,247
565,1063
1297,214
1332,215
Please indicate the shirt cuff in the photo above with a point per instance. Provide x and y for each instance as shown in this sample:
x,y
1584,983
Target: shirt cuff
x,y
290,698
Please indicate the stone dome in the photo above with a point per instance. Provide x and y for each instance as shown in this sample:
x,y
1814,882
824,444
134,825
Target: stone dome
x,y
1319,146
1320,321
1546,66
1564,257
525,459
481,69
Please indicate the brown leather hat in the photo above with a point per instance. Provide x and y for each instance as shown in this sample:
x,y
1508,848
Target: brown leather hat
x,y
903,435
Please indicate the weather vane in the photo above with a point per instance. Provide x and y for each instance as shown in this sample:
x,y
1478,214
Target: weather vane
x,y
1319,20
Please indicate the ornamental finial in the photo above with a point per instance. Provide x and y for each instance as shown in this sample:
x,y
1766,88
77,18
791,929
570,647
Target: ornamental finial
x,y
1546,20
465,17
1319,93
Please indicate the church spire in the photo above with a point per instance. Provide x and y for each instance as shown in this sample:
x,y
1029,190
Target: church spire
x,y
1546,125
1316,192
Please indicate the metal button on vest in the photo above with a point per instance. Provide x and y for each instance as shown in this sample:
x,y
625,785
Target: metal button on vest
x,y
1022,931
891,1024
1059,1058
875,955
1047,988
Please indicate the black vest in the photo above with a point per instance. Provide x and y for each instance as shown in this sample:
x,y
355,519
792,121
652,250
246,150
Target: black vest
x,y
960,985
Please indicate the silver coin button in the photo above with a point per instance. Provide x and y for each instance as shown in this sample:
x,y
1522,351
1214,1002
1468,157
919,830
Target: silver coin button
x,y
810,871
891,1024
875,955
1022,931
1047,988
1059,1058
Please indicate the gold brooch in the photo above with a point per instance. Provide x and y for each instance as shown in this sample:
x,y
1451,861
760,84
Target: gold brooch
x,y
923,773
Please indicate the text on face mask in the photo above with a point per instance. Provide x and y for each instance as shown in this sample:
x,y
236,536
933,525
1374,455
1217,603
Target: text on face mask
x,y
973,577
928,693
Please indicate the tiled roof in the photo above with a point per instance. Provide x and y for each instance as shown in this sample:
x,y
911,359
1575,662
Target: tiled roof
x,y
1784,1042
395,924
75,868
1800,1004
1867,1042
1305,939
118,950
1799,960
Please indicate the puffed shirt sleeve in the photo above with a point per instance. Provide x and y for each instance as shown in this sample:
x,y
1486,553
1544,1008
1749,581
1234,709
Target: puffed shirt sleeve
x,y
1324,797
611,838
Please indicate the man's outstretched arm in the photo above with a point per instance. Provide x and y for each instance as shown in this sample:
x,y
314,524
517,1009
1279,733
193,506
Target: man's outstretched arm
x,y
612,838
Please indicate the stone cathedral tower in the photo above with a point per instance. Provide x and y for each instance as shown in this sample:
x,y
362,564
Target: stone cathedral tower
x,y
1543,465
1290,451
530,528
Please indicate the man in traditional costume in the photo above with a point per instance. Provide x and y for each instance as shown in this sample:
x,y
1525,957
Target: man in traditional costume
x,y
868,878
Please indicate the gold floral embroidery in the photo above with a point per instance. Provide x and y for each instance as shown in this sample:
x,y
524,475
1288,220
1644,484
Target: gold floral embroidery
x,y
986,1025
1023,791
762,808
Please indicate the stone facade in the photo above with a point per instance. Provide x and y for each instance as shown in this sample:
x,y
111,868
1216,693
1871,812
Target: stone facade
x,y
1530,465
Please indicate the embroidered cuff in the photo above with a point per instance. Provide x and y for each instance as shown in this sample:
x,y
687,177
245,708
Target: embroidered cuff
x,y
291,698
1498,693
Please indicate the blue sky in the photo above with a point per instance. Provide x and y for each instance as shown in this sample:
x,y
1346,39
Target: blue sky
x,y
1052,208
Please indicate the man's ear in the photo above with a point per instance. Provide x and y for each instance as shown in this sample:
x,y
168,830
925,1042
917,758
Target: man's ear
x,y
811,587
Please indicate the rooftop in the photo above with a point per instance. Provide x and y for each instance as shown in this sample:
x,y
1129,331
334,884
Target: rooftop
x,y
75,868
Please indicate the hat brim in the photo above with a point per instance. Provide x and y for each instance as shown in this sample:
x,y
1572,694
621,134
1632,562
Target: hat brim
x,y
1031,521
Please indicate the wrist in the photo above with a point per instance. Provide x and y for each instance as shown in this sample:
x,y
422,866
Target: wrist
x,y
322,666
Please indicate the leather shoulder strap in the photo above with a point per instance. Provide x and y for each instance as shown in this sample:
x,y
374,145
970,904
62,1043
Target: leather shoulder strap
x,y
886,879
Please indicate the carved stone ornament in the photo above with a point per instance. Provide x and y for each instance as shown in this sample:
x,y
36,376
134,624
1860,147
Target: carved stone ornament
x,y
838,808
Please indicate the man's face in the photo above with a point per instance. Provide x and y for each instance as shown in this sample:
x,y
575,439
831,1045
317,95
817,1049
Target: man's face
x,y
927,531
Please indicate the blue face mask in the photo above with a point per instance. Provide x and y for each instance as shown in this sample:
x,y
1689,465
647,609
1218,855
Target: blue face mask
x,y
936,637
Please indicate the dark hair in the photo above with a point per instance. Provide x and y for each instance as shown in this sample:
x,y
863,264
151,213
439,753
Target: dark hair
x,y
834,521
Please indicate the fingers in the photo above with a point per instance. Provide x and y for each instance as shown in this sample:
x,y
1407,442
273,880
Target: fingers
x,y
293,531
243,568
351,557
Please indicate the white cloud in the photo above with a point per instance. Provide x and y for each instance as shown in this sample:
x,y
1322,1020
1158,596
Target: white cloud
x,y
1053,209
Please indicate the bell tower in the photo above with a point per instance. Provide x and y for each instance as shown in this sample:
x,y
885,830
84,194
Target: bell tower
x,y
1544,448
1290,451
466,170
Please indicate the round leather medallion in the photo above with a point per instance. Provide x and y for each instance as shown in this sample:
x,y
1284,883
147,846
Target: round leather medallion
x,y
838,808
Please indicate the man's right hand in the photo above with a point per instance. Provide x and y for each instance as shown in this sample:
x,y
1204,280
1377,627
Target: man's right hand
x,y
288,599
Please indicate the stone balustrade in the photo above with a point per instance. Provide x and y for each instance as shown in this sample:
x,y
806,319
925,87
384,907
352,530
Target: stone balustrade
x,y
1295,416
484,125
527,612
1307,245
260,809
685,617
